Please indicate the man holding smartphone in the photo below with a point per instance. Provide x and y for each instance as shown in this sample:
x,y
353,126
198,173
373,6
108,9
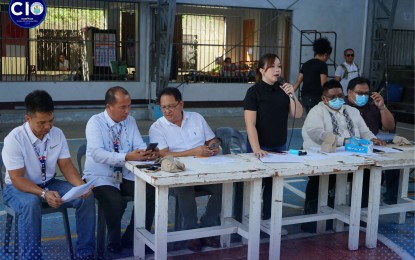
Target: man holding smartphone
x,y
113,138
179,133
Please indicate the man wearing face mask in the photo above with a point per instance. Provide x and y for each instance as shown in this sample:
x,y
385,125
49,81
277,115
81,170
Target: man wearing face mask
x,y
377,117
330,116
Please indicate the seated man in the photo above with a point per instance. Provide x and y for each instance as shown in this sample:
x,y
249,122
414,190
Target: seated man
x,y
113,138
63,63
180,133
377,116
31,153
328,117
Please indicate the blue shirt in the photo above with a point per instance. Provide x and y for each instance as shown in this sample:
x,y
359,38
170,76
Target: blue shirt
x,y
101,157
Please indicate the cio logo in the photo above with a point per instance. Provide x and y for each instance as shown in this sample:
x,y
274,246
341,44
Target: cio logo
x,y
27,13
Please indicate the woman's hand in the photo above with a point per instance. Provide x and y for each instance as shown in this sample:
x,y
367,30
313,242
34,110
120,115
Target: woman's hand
x,y
260,153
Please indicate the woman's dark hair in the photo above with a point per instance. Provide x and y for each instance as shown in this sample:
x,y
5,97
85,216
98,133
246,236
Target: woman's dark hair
x,y
264,63
110,98
169,91
322,46
38,101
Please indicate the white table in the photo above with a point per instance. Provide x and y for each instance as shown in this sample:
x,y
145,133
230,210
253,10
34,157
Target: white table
x,y
196,173
340,165
404,161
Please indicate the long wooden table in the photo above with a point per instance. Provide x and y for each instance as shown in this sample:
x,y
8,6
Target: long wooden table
x,y
404,160
197,173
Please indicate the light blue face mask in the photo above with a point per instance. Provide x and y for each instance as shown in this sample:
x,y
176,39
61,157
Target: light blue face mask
x,y
336,103
361,100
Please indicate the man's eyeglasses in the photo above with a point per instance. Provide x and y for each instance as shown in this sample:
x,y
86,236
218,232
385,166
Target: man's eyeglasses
x,y
361,93
335,96
350,55
169,107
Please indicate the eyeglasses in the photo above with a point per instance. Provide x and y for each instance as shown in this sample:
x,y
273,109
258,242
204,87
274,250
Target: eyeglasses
x,y
169,107
335,96
350,55
361,93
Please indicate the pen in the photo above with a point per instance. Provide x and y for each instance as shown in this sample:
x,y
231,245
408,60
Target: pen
x,y
397,149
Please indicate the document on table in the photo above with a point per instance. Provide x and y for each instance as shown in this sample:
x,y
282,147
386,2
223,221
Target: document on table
x,y
77,191
387,149
214,160
281,158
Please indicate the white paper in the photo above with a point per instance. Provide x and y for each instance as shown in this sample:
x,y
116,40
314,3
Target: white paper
x,y
341,151
77,191
215,160
282,158
386,149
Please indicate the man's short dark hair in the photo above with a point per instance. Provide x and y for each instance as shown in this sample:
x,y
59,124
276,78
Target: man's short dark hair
x,y
322,46
330,85
357,81
110,94
38,101
169,91
346,50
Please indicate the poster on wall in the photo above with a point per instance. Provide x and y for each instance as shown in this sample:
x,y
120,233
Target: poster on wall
x,y
104,48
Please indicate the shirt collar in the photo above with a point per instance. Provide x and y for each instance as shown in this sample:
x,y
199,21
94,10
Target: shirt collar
x,y
32,137
268,87
108,119
185,118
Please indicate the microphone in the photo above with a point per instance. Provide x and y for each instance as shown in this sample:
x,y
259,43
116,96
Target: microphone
x,y
281,82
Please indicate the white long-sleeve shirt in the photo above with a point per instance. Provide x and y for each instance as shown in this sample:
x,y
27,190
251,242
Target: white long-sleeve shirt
x,y
319,122
101,157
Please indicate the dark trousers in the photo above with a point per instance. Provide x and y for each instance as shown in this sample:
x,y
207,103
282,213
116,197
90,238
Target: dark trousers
x,y
111,199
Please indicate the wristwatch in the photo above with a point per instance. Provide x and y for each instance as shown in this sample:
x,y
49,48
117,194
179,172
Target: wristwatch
x,y
43,195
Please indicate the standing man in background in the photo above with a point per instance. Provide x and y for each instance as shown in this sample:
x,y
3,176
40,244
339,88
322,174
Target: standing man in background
x,y
348,70
313,74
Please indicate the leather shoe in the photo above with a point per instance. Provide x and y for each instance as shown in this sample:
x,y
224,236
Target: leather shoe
x,y
194,245
211,242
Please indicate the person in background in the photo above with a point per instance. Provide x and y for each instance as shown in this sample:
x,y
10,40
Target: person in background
x,y
31,154
63,63
377,117
348,70
227,68
112,139
180,133
313,74
267,105
330,117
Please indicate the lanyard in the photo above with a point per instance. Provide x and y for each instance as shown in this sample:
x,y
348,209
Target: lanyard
x,y
116,137
40,157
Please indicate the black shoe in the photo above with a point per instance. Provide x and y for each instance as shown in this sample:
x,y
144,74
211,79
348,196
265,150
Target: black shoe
x,y
114,248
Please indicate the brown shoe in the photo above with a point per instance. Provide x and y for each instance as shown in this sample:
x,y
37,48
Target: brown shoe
x,y
211,242
194,245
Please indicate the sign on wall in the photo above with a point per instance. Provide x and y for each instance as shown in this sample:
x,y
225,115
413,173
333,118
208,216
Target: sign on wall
x,y
104,49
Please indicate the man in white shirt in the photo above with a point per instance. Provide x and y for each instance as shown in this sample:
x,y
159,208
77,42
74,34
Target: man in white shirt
x,y
179,133
348,70
112,139
328,117
31,153
63,64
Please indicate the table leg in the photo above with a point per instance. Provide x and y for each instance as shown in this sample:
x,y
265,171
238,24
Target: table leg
x,y
254,219
340,198
355,209
403,191
323,188
160,216
139,215
276,217
373,207
245,206
227,191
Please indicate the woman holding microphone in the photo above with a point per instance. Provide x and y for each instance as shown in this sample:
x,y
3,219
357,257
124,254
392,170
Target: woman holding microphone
x,y
266,108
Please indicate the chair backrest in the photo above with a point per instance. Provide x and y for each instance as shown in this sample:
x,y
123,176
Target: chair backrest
x,y
296,140
229,136
81,153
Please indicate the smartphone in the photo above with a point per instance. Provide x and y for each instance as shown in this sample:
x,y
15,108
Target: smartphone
x,y
151,147
214,145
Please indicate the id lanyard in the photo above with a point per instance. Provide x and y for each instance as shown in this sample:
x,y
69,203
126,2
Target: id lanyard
x,y
116,138
40,157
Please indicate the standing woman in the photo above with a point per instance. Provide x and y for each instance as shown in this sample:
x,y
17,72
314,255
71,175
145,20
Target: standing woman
x,y
266,108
